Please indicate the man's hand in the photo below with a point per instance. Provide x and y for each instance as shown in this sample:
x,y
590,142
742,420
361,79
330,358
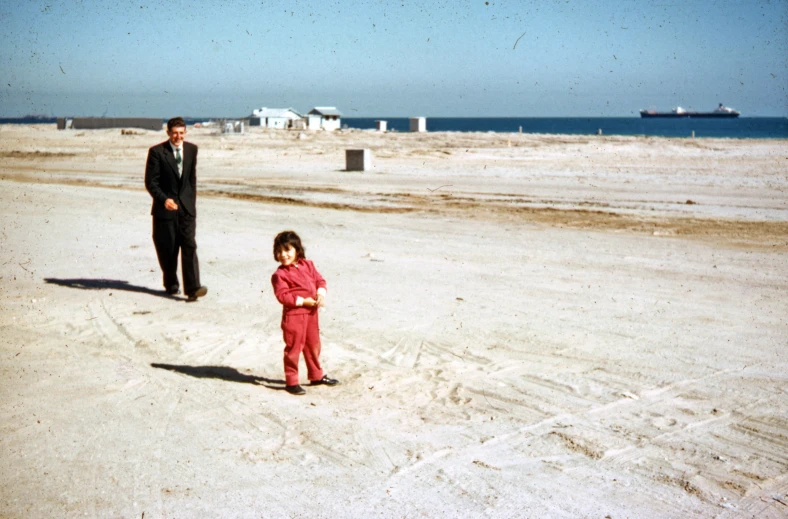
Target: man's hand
x,y
170,205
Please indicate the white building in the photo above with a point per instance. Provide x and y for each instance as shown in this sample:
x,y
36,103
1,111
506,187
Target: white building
x,y
275,117
325,117
418,124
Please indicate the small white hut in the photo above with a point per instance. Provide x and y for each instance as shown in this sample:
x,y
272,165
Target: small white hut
x,y
275,117
325,117
418,124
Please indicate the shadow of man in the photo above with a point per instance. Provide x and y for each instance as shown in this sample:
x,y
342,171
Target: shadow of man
x,y
221,373
105,284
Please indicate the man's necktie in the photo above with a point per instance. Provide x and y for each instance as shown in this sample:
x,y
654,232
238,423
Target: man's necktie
x,y
178,159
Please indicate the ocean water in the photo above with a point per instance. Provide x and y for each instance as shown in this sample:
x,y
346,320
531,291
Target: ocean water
x,y
739,128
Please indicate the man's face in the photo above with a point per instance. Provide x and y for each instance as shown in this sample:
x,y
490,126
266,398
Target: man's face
x,y
176,135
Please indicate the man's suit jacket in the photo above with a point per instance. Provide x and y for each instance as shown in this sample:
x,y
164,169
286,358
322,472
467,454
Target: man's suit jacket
x,y
162,180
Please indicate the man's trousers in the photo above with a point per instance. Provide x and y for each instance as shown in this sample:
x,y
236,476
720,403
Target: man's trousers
x,y
171,236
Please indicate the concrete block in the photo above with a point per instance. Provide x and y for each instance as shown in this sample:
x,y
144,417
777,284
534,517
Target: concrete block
x,y
358,160
381,126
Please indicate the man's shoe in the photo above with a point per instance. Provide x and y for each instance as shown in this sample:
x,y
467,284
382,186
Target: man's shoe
x,y
174,290
197,293
325,381
295,390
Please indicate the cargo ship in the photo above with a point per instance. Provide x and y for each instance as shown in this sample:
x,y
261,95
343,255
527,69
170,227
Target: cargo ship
x,y
678,112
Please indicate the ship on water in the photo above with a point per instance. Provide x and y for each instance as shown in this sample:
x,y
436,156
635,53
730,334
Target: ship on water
x,y
720,112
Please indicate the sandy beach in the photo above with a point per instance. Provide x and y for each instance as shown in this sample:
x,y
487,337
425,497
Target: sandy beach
x,y
523,326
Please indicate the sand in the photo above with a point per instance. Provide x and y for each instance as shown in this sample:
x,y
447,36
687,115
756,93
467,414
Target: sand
x,y
523,326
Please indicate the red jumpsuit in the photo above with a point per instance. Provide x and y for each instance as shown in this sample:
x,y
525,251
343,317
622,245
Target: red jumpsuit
x,y
300,329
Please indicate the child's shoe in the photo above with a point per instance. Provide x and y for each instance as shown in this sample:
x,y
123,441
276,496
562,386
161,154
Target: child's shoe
x,y
325,381
295,390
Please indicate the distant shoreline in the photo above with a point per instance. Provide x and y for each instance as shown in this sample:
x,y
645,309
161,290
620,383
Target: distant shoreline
x,y
32,119
739,128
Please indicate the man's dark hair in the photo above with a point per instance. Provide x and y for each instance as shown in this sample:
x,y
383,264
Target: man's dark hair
x,y
175,122
285,239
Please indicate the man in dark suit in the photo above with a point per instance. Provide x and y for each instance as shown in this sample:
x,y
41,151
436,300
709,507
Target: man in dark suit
x,y
171,179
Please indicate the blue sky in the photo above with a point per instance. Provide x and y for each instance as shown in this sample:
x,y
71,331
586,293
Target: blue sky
x,y
392,58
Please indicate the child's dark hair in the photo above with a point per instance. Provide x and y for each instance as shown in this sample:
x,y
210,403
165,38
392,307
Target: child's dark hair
x,y
285,239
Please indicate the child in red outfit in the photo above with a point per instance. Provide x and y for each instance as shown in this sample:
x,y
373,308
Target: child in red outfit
x,y
301,290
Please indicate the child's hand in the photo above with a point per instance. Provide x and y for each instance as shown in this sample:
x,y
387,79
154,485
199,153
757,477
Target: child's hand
x,y
309,302
321,300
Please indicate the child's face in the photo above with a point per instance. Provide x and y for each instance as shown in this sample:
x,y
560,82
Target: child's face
x,y
287,255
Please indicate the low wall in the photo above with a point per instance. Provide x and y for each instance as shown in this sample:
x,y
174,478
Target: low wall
x,y
95,123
